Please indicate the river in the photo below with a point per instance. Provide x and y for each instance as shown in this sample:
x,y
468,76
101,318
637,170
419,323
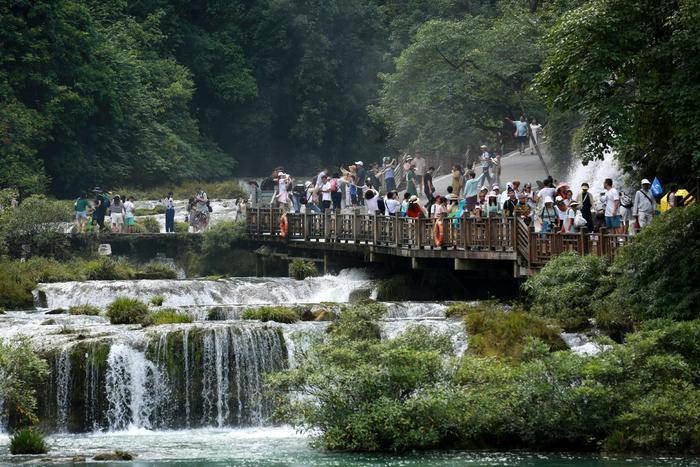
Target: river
x,y
193,394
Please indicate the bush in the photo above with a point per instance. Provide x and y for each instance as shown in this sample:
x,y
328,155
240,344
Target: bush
x,y
182,227
150,224
109,269
300,269
221,237
157,271
88,310
166,316
124,310
157,300
216,314
224,189
494,332
278,314
22,371
360,322
657,274
28,441
565,287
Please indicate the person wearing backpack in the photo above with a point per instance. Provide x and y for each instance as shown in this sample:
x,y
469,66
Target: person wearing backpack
x,y
336,195
644,205
586,204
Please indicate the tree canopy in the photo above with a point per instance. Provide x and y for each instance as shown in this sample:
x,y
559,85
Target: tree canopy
x,y
152,92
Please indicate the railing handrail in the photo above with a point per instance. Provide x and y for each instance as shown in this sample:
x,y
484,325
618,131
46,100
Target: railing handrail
x,y
470,233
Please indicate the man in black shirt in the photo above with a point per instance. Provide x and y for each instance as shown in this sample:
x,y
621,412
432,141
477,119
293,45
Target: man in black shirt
x,y
428,187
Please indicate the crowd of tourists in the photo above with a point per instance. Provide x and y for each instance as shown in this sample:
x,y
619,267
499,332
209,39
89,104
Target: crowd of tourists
x,y
550,207
107,211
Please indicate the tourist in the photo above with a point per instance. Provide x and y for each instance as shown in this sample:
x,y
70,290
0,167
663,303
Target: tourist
x,y
326,198
268,184
486,163
450,194
548,216
354,191
404,204
392,205
371,196
372,179
439,209
81,205
547,191
522,209
284,183
415,210
492,207
411,188
116,214
336,194
101,207
496,163
169,204
311,198
428,187
535,130
481,201
586,206
612,207
471,188
625,211
570,221
388,171
202,210
530,200
419,163
521,130
561,208
319,177
129,218
644,205
254,190
510,203
360,180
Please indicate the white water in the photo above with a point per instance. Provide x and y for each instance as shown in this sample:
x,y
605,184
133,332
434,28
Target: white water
x,y
233,291
63,381
222,210
594,174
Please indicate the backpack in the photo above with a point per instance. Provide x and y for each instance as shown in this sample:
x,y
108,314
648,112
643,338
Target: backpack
x,y
579,220
626,202
380,206
334,185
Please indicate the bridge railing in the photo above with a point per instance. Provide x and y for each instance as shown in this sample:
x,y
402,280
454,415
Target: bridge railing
x,y
473,234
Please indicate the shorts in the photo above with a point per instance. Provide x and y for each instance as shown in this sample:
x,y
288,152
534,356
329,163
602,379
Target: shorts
x,y
117,219
130,220
80,215
612,222
522,139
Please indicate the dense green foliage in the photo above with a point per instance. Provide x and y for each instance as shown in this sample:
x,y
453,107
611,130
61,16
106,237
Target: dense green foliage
x,y
124,310
300,269
279,314
21,371
157,300
221,236
28,441
31,227
632,70
565,287
362,393
166,316
150,224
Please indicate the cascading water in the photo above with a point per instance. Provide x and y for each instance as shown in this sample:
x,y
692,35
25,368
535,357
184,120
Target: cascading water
x,y
595,173
63,388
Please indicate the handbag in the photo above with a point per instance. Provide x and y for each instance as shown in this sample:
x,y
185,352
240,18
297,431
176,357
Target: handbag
x,y
579,220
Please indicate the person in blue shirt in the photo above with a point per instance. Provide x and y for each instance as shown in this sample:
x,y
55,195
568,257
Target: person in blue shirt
x,y
521,131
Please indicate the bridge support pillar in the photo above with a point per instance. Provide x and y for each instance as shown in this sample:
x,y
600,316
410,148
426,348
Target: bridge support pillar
x,y
325,263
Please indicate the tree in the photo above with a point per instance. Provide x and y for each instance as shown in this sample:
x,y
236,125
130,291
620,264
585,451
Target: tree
x,y
632,69
21,370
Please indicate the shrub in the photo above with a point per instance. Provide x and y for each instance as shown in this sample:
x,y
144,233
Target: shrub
x,y
459,310
182,227
124,310
157,300
221,236
166,316
360,322
279,314
216,314
84,310
564,288
150,224
109,269
494,332
28,441
22,371
157,271
657,274
300,269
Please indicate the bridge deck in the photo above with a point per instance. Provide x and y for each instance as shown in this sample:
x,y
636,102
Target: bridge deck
x,y
494,238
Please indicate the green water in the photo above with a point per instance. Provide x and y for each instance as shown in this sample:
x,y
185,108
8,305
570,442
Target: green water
x,y
284,447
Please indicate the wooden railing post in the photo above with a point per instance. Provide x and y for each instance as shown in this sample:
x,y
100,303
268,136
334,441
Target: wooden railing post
x,y
397,228
257,221
514,233
306,226
489,229
355,226
419,233
375,228
326,226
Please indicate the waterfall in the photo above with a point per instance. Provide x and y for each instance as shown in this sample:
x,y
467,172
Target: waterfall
x,y
63,389
595,173
134,388
3,415
188,384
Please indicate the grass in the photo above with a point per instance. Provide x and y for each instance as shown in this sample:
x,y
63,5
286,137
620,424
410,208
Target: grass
x,y
108,269
181,227
28,441
157,271
124,310
150,224
157,300
300,269
279,314
166,316
88,310
158,209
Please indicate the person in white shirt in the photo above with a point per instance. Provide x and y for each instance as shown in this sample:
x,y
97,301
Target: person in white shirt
x,y
612,207
371,196
169,204
486,163
569,222
391,205
419,164
535,130
325,193
644,205
129,218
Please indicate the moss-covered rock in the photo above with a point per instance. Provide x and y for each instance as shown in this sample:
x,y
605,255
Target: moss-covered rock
x,y
124,310
166,316
88,310
278,314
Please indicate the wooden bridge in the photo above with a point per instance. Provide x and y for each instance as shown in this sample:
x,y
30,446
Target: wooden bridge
x,y
471,243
